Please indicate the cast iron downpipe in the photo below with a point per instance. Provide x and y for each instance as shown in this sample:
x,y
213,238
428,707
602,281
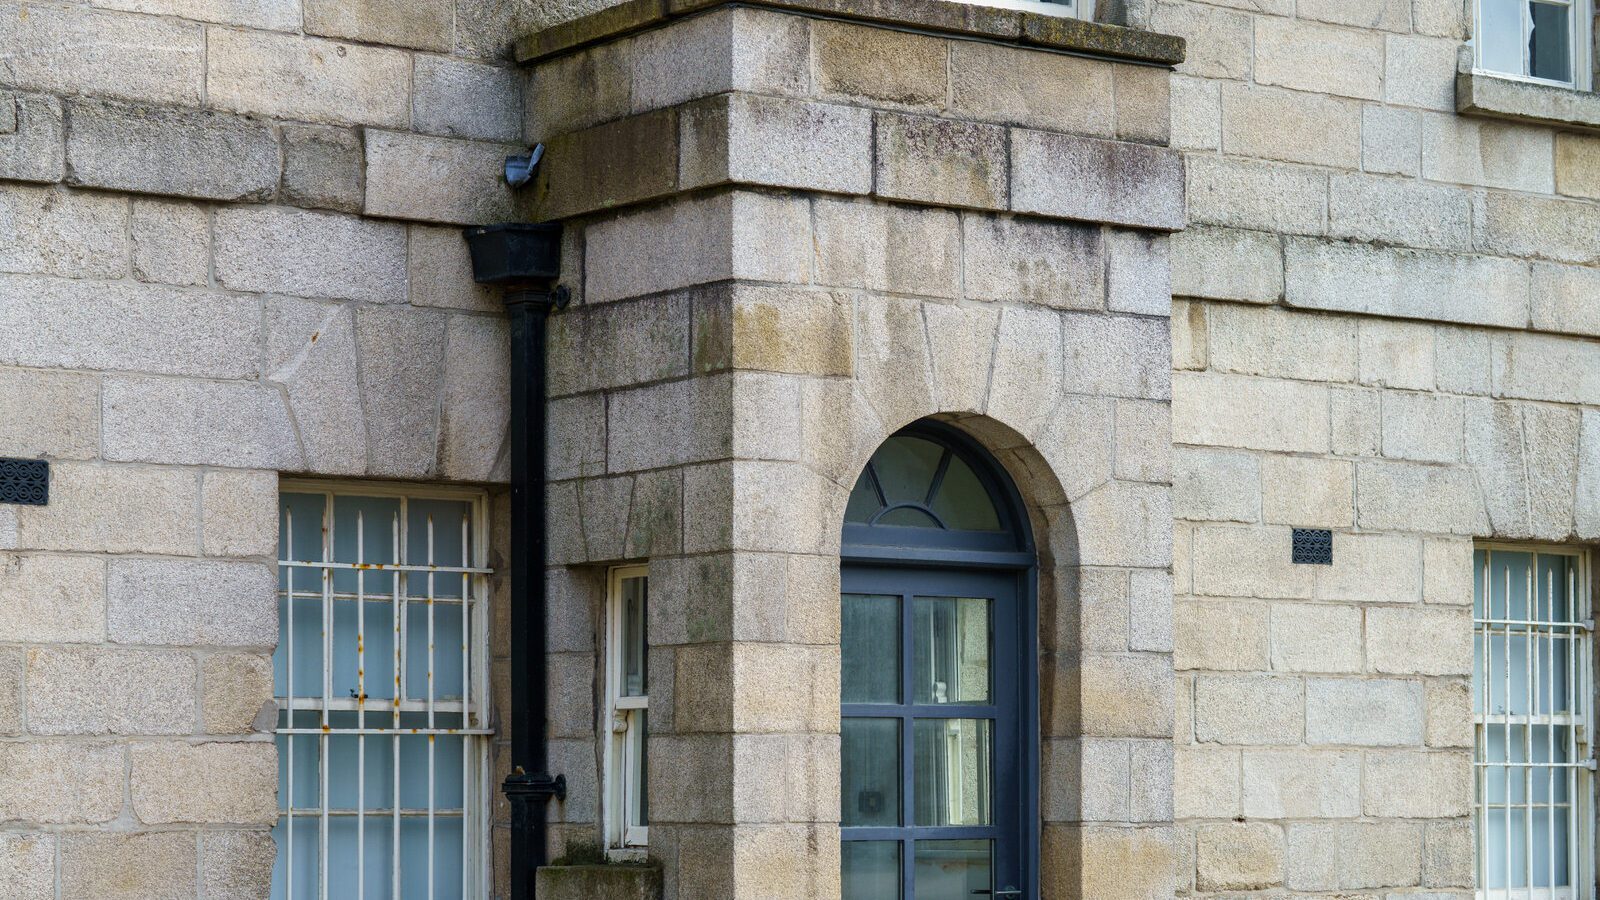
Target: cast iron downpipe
x,y
525,260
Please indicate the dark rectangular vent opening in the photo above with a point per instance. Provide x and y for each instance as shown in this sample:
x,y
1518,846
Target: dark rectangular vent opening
x,y
1313,546
25,481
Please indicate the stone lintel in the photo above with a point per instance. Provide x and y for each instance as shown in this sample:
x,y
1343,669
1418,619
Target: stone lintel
x,y
949,17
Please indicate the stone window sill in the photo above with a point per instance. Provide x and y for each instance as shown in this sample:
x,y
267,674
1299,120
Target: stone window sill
x,y
1523,101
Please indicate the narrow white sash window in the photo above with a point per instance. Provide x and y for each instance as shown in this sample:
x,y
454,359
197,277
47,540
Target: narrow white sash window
x,y
627,807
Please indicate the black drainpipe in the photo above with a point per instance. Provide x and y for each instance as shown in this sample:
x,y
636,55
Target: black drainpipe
x,y
525,260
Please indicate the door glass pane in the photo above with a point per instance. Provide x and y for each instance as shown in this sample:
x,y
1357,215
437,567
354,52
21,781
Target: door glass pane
x,y
1550,46
905,467
952,870
871,870
869,772
870,649
953,771
1500,36
952,649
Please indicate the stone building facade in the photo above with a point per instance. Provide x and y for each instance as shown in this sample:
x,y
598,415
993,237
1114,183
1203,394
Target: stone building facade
x,y
1190,276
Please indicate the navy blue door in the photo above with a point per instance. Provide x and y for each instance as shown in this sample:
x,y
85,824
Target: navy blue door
x,y
931,740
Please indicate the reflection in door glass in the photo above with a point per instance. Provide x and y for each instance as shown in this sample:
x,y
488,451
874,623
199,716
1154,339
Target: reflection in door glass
x,y
952,650
870,649
871,870
952,870
953,771
869,775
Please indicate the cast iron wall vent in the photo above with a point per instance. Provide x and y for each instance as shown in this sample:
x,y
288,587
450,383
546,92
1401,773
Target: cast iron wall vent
x,y
1313,546
24,481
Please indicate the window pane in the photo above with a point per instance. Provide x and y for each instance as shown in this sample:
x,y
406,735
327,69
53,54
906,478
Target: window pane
x,y
869,775
639,733
863,501
952,870
1550,45
905,468
635,671
952,638
1500,36
953,771
869,649
871,870
963,502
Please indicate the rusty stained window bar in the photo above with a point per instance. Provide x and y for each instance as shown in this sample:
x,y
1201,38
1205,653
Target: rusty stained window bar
x,y
381,674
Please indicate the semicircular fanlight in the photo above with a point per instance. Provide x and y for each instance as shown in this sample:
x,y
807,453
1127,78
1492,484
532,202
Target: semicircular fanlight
x,y
913,482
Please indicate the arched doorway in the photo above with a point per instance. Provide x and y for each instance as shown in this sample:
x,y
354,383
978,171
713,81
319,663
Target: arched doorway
x,y
939,691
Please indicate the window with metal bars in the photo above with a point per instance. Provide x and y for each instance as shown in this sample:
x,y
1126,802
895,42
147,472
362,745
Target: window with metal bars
x,y
1532,683
627,808
380,676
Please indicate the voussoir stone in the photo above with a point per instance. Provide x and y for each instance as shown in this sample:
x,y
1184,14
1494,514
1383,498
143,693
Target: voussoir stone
x,y
168,150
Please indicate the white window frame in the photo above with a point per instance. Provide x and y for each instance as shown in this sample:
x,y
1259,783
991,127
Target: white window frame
x,y
625,838
1068,9
1580,863
1580,27
473,706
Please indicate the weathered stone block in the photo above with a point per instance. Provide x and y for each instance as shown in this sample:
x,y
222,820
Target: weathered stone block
x,y
1196,111
236,865
1125,524
198,423
1541,227
1138,273
238,513
1222,636
1449,854
1307,492
310,254
171,242
304,78
1357,428
1120,356
61,782
1379,854
1364,712
440,272
1220,39
770,329
212,783
92,691
778,142
311,352
163,150
129,866
32,149
599,882
1438,784
1206,783
1232,561
1257,341
1238,856
1400,212
401,391
1420,71
940,161
1450,712
1108,862
1227,264
1468,150
1290,126
113,509
1216,485
756,51
434,179
1396,642
475,401
424,24
1397,354
1297,784
56,232
1049,263
667,424
1248,709
1189,339
154,60
48,414
1307,638
27,866
236,693
888,248
1101,181
1144,441
1231,411
1260,195
1424,427
1125,696
1373,568
1318,59
1391,141
179,603
1416,497
1000,84
1411,284
880,65
276,15
1388,15
323,167
456,98
52,599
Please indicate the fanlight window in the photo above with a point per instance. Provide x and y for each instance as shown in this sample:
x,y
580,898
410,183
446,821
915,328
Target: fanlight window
x,y
913,482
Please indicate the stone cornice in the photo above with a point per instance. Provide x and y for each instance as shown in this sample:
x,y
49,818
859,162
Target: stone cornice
x,y
947,17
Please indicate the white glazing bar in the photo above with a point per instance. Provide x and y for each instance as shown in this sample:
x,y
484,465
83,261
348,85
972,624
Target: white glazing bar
x,y
288,668
327,693
1505,698
432,739
395,612
1528,678
361,707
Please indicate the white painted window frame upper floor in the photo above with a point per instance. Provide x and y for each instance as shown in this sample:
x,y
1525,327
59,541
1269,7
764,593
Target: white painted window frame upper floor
x,y
1492,49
